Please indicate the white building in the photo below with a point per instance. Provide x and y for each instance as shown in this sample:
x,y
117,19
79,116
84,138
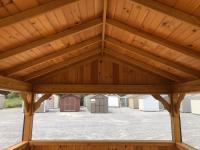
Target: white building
x,y
148,103
195,104
113,100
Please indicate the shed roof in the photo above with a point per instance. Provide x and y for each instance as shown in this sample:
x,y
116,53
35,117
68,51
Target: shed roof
x,y
115,42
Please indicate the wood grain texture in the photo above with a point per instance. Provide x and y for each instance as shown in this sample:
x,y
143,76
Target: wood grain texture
x,y
182,146
33,12
167,41
102,71
50,38
103,145
13,84
101,88
21,146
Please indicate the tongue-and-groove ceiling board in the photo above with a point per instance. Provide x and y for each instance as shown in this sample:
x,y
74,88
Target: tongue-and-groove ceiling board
x,y
38,37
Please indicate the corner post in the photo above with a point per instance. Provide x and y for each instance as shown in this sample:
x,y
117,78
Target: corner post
x,y
176,99
28,99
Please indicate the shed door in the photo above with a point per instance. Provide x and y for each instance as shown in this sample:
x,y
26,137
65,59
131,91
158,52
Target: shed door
x,y
70,104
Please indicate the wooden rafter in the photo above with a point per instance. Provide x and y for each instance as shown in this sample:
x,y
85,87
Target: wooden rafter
x,y
144,66
155,39
50,38
126,89
34,12
40,100
105,5
65,51
166,10
61,65
13,84
165,103
131,49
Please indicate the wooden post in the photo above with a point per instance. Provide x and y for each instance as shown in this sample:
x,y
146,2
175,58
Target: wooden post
x,y
176,99
28,116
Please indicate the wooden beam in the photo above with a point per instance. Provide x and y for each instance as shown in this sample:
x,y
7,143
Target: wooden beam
x,y
131,49
20,146
65,51
117,144
105,5
26,102
175,117
96,88
32,12
13,84
183,146
187,87
193,82
143,65
165,103
50,38
28,116
40,100
60,65
167,10
178,88
155,39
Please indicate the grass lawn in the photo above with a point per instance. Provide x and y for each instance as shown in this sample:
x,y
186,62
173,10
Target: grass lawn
x,y
13,102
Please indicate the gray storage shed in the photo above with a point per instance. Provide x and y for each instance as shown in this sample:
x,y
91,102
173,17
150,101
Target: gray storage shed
x,y
98,104
2,100
186,105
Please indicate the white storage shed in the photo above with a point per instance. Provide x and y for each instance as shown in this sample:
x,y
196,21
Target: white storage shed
x,y
113,100
148,103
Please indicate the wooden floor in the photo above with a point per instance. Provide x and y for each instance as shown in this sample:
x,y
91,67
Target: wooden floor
x,y
100,145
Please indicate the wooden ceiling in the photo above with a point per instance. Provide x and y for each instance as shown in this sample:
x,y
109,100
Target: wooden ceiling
x,y
100,41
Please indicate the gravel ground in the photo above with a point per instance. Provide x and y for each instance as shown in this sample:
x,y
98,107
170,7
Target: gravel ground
x,y
119,123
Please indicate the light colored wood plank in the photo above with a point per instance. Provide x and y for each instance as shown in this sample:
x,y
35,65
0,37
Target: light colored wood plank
x,y
34,12
50,38
132,49
60,65
51,56
166,10
153,38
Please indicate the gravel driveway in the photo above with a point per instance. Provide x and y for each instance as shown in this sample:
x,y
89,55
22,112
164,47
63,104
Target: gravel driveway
x,y
119,123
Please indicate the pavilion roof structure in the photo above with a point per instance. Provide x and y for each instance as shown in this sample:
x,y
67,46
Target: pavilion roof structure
x,y
98,46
